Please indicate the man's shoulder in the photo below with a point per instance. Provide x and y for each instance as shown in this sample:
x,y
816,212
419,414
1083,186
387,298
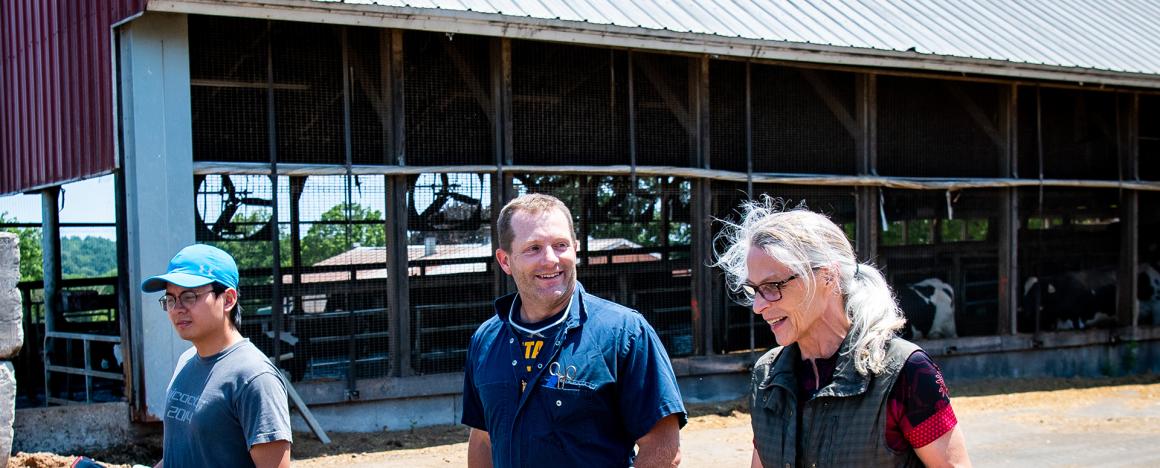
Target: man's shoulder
x,y
602,309
247,362
487,331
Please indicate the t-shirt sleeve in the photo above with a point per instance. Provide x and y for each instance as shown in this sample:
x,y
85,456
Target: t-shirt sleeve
x,y
472,404
920,405
263,410
648,387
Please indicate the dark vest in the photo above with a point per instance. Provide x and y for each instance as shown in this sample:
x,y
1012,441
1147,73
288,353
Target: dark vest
x,y
843,425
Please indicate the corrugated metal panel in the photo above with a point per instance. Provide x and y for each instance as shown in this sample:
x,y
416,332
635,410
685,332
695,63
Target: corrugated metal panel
x,y
56,102
1105,35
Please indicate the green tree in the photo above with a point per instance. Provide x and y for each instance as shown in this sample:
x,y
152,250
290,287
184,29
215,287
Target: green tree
x,y
253,253
334,235
88,257
31,268
636,213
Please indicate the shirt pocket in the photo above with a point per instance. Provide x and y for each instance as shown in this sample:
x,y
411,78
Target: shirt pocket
x,y
570,404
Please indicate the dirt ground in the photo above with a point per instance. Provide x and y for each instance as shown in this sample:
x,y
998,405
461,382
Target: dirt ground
x,y
1040,422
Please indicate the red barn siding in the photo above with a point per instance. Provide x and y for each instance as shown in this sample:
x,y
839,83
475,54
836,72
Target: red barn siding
x,y
56,101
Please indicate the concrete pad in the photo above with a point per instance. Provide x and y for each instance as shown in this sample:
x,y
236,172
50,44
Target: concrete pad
x,y
72,429
383,415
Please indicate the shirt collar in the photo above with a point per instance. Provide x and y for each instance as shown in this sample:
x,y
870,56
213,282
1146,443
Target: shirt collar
x,y
847,381
576,315
539,331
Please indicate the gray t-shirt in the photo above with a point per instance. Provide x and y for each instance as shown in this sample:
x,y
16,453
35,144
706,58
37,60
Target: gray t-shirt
x,y
218,407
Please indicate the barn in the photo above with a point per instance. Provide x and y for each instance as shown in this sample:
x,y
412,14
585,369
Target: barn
x,y
1001,162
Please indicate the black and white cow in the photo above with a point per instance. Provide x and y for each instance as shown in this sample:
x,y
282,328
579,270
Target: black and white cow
x,y
929,306
1070,301
1085,299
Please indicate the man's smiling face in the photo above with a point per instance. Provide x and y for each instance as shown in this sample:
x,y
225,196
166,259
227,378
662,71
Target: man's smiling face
x,y
542,260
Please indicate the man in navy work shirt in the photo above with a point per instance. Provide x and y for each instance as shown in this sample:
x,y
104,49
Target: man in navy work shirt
x,y
560,377
226,403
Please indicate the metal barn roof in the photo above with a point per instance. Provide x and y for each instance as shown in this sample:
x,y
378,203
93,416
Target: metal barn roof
x,y
1093,41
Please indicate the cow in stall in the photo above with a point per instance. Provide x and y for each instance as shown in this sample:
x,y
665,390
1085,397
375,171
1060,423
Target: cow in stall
x,y
929,306
1074,300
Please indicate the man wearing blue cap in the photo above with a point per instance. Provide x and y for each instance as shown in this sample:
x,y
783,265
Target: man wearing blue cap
x,y
226,404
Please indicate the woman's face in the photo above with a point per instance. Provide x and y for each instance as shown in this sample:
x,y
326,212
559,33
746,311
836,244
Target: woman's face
x,y
790,317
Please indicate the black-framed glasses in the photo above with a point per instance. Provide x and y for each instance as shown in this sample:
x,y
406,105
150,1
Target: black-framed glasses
x,y
188,299
770,291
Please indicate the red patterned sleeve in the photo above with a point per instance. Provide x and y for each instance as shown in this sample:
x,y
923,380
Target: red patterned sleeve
x,y
919,410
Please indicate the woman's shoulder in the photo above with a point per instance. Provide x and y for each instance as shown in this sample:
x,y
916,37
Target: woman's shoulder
x,y
901,348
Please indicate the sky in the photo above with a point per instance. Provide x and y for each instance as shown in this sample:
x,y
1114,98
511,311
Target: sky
x,y
87,201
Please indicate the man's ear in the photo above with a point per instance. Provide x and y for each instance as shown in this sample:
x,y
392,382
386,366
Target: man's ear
x,y
231,297
502,258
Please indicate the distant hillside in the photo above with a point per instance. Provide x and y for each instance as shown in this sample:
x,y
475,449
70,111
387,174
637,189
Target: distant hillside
x,y
87,257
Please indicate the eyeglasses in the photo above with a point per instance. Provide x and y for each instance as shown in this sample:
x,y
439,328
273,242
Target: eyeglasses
x,y
770,291
188,299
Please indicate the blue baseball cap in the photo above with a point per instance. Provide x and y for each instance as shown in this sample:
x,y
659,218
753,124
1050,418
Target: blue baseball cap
x,y
196,265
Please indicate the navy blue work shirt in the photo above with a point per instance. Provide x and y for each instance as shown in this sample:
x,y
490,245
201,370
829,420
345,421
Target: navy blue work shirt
x,y
623,385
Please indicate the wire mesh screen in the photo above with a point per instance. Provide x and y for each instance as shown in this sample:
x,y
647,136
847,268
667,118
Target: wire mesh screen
x,y
370,95
1148,292
1149,141
1069,246
449,258
665,116
737,325
308,107
227,67
803,120
449,108
569,104
1077,130
727,115
635,244
235,213
938,128
333,273
940,254
736,328
334,291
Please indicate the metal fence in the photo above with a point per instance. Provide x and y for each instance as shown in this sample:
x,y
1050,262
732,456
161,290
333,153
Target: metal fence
x,y
74,357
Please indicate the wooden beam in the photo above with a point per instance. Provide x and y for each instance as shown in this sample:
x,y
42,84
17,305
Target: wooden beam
x,y
866,159
1008,225
395,221
977,114
830,98
668,95
1128,132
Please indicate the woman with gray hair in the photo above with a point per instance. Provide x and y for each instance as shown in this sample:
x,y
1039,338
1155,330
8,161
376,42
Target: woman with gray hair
x,y
842,389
